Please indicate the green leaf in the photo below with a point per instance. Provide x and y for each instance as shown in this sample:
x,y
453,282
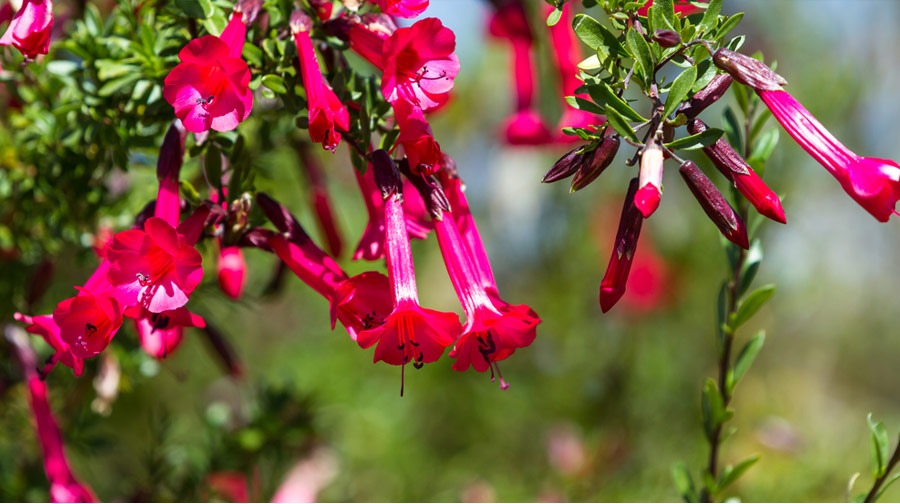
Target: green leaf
x,y
731,474
200,9
190,194
212,162
710,17
604,95
115,85
733,129
662,15
750,304
586,105
681,475
640,51
698,141
554,17
729,24
722,310
713,408
620,124
595,35
764,146
275,83
880,446
751,265
888,482
681,86
747,356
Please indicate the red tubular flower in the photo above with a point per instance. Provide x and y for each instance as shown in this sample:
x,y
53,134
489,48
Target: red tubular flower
x,y
402,8
682,8
327,115
422,150
650,187
157,267
45,327
612,287
87,322
171,156
29,30
64,486
410,333
232,271
525,127
419,64
874,183
737,171
567,56
209,88
161,333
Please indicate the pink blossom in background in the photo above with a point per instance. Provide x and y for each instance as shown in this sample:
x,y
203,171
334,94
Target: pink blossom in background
x,y
402,8
29,30
209,88
327,115
232,271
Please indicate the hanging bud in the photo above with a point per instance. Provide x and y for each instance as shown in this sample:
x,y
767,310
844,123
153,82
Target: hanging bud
x,y
612,287
602,157
387,178
714,204
565,166
706,96
650,187
667,38
748,71
737,171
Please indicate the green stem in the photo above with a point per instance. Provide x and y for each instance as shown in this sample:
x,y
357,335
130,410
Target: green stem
x,y
873,494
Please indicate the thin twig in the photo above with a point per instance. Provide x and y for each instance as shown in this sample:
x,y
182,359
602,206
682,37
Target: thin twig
x,y
873,494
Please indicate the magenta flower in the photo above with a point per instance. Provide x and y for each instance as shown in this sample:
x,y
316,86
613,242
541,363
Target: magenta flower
x,y
402,8
168,167
422,150
209,88
526,126
410,333
156,267
232,272
649,190
874,183
327,115
29,30
612,287
87,322
45,327
161,333
361,302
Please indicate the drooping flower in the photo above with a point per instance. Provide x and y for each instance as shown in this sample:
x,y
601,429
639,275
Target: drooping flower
x,y
157,267
161,333
64,486
739,172
327,115
874,183
649,190
402,8
87,322
614,280
209,88
232,272
422,150
45,327
526,126
410,333
29,30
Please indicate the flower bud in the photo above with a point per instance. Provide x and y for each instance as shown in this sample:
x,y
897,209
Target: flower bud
x,y
748,71
602,157
706,96
667,38
232,271
387,177
650,186
714,204
612,287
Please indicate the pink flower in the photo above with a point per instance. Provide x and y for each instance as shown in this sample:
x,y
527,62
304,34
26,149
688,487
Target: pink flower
x,y
327,115
157,267
682,8
87,322
874,183
650,186
29,30
161,333
232,271
422,150
614,280
402,8
410,333
168,167
361,302
525,127
209,88
45,327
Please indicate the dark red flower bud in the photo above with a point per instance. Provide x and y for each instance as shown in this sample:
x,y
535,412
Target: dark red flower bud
x,y
282,218
595,163
612,287
714,204
667,38
748,71
706,96
387,177
737,171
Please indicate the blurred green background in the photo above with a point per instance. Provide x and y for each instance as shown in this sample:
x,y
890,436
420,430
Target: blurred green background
x,y
601,405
